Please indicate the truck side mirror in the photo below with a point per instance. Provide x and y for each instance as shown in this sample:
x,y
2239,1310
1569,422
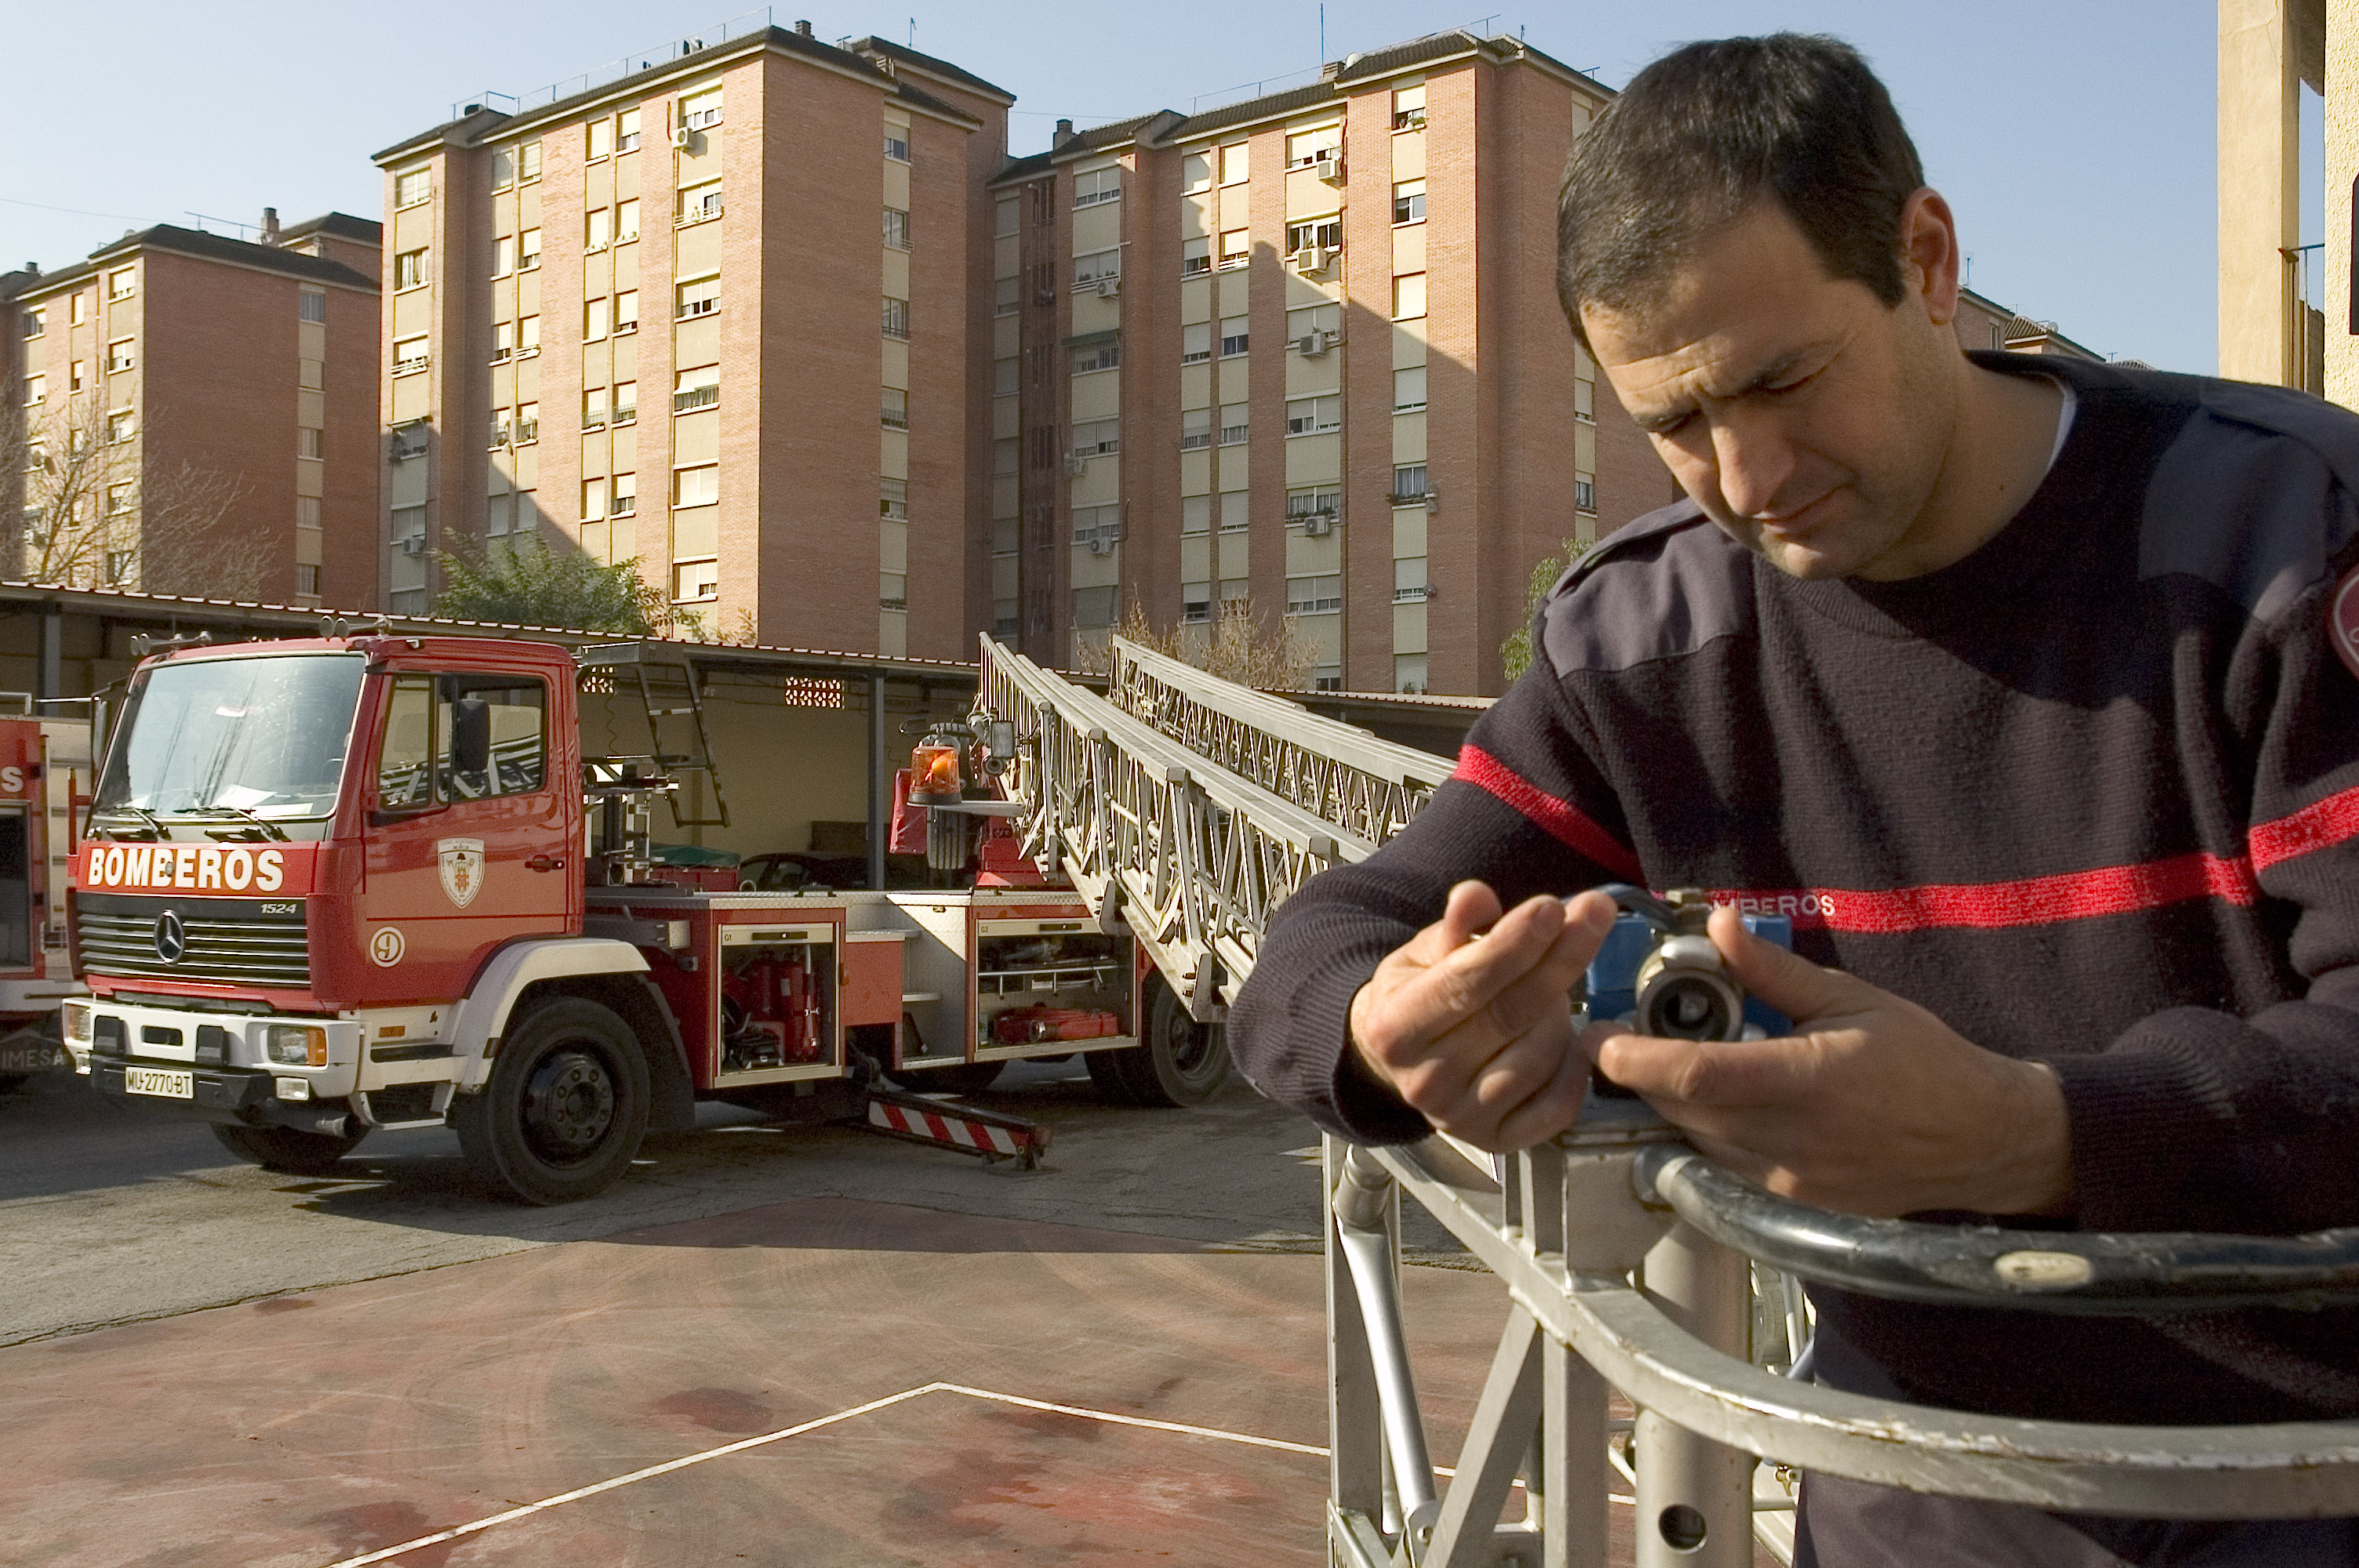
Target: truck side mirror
x,y
471,736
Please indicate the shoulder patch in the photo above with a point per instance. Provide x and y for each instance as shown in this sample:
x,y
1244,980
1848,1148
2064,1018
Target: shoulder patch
x,y
2342,620
1662,586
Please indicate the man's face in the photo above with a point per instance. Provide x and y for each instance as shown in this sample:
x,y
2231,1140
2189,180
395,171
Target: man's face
x,y
1808,419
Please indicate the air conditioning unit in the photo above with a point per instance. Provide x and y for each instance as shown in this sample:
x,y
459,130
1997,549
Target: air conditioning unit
x,y
1329,166
412,544
1313,258
1108,288
1076,464
1100,544
1319,525
1311,345
680,137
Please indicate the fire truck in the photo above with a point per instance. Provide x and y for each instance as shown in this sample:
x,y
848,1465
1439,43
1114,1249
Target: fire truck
x,y
336,884
44,764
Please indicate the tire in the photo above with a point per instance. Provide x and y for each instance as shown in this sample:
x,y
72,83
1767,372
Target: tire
x,y
1106,1076
1180,1061
286,1149
11,1082
966,1079
565,1109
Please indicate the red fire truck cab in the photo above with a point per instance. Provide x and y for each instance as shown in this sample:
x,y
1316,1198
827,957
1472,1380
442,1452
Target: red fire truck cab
x,y
337,884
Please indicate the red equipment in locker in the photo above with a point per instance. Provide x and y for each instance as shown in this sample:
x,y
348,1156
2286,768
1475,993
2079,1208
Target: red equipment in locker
x,y
1029,1025
781,997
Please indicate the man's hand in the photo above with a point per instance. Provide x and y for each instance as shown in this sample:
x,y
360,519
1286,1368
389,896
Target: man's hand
x,y
1470,1020
1873,1107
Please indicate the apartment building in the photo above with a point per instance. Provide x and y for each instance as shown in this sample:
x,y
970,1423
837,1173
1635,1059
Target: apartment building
x,y
194,414
1250,354
1984,323
712,317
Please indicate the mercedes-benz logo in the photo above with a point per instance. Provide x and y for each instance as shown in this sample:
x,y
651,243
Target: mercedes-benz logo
x,y
171,938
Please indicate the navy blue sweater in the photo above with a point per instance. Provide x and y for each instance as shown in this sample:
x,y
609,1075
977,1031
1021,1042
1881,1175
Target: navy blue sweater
x,y
2090,795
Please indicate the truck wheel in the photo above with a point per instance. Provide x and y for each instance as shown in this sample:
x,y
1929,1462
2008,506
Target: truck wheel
x,y
565,1109
1181,1062
287,1149
966,1079
1106,1076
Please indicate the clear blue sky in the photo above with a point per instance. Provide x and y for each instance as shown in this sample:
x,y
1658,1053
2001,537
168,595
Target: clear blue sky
x,y
2074,137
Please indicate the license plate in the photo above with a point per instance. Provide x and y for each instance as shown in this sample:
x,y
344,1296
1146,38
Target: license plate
x,y
160,1083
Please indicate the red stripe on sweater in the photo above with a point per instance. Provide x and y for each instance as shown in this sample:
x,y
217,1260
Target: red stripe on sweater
x,y
2318,825
1555,817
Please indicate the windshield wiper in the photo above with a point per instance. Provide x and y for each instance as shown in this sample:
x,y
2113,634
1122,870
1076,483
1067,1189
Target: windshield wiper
x,y
272,828
140,812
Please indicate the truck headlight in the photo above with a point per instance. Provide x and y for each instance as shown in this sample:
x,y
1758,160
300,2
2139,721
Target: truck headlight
x,y
297,1045
75,1016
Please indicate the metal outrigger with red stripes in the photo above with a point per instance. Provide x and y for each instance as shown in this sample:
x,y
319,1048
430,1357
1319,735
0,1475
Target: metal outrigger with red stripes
x,y
987,1133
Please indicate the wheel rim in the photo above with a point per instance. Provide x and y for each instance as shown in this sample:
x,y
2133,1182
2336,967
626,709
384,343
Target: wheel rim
x,y
1192,1052
568,1106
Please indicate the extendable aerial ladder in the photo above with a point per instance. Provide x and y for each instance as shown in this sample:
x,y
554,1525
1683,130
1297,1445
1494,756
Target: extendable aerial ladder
x,y
1190,808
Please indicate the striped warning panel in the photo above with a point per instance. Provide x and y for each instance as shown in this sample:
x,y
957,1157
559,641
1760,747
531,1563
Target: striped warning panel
x,y
976,1132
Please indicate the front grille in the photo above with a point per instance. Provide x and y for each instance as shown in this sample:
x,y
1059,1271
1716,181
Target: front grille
x,y
231,941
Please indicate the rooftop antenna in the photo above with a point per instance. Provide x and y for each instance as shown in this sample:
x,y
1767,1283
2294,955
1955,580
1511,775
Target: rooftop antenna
x,y
1323,34
913,32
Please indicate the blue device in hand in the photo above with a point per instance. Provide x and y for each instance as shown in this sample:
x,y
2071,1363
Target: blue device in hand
x,y
1660,974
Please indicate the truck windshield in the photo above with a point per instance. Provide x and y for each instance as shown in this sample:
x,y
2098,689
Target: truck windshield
x,y
261,737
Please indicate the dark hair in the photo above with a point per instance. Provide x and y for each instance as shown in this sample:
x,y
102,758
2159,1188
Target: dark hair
x,y
1710,129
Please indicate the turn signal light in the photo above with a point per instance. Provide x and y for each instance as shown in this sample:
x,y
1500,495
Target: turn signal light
x,y
76,1016
297,1045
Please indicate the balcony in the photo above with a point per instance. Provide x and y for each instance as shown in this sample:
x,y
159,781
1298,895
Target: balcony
x,y
695,397
1413,595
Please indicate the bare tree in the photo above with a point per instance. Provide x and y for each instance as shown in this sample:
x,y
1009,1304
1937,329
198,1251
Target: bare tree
x,y
96,512
1238,646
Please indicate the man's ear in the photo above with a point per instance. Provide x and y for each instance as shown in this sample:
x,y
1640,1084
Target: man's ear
x,y
1929,254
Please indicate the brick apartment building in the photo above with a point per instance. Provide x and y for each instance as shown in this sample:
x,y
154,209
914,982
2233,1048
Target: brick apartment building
x,y
713,316
194,414
1250,354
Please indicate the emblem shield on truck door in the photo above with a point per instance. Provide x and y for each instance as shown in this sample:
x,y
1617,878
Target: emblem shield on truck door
x,y
461,864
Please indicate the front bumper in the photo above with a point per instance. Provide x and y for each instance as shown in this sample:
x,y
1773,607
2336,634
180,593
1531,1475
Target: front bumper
x,y
227,1051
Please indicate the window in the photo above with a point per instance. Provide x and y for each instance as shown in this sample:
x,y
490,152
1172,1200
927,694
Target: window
x,y
1237,248
1409,585
1409,484
1408,201
409,523
1313,415
528,249
702,297
694,389
121,426
1234,336
897,319
697,202
311,374
894,413
36,323
502,169
1196,343
1195,427
1006,379
1327,502
1005,455
1408,389
1408,108
1314,595
1584,495
594,319
1196,173
626,311
593,499
602,139
1097,525
118,567
892,590
527,337
413,762
1585,400
699,486
78,309
1195,602
1196,514
1091,269
503,345
897,228
1007,217
896,144
1408,297
122,283
626,489
528,429
119,356
36,389
1321,143
893,499
306,581
1007,295
1097,356
598,229
1092,608
626,402
411,187
626,220
311,304
1195,256
1325,233
1235,511
306,512
1236,423
527,162
503,255
74,376
502,431
1233,163
1310,318
595,405
118,500
626,131
1097,185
